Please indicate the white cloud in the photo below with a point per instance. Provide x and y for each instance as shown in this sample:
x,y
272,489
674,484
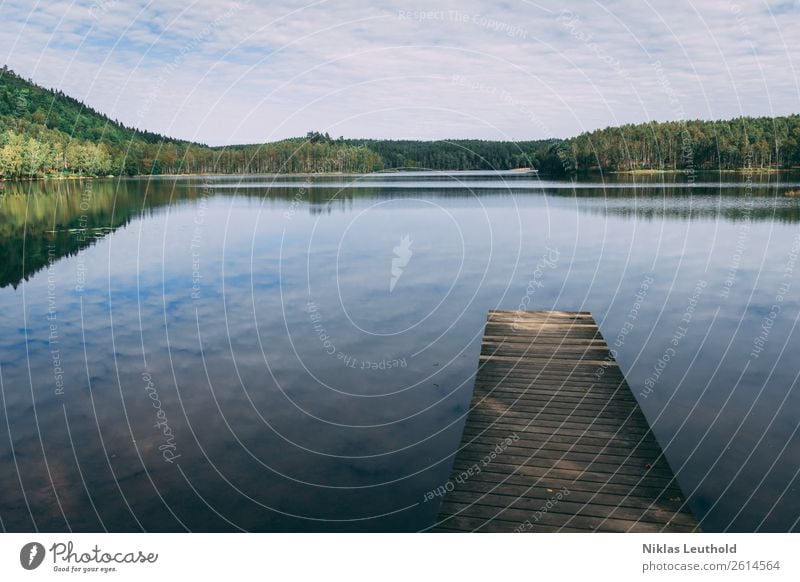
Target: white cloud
x,y
233,72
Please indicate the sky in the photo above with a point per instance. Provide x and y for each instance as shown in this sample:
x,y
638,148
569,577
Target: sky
x,y
226,72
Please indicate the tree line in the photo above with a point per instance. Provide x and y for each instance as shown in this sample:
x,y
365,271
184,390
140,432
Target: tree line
x,y
45,132
687,146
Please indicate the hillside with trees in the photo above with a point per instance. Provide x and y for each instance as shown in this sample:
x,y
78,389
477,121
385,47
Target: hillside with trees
x,y
44,132
688,146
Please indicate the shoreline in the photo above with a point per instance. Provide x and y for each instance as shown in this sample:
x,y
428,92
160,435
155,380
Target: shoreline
x,y
706,171
592,172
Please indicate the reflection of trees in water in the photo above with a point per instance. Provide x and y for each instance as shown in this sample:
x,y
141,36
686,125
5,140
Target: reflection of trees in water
x,y
784,215
733,205
44,221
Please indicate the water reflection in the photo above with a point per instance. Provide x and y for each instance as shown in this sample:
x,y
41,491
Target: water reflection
x,y
43,221
298,390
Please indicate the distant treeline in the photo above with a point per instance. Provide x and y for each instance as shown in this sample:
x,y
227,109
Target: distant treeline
x,y
44,132
745,142
453,155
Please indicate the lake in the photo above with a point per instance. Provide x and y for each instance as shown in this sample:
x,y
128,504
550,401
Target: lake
x,y
273,353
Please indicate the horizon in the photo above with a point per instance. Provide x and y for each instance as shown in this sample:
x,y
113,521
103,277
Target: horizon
x,y
239,74
410,139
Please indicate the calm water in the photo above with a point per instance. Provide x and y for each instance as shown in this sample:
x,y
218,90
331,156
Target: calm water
x,y
223,354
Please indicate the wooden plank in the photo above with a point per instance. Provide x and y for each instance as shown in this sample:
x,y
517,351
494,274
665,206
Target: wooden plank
x,y
648,513
609,523
637,499
556,482
545,442
554,440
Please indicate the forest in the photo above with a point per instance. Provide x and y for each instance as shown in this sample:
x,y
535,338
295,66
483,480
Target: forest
x,y
44,132
688,146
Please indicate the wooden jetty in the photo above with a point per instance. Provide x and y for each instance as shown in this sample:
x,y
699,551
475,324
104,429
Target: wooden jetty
x,y
555,440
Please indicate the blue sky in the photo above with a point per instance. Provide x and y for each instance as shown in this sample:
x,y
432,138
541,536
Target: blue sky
x,y
225,71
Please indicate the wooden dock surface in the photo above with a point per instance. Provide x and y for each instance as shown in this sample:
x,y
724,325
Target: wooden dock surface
x,y
555,440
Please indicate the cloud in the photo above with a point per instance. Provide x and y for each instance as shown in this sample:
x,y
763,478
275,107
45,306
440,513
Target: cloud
x,y
238,71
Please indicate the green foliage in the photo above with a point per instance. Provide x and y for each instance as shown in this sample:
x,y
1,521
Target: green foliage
x,y
44,132
454,155
690,146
